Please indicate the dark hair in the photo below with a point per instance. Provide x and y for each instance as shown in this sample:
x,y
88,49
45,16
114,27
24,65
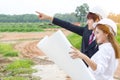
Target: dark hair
x,y
93,16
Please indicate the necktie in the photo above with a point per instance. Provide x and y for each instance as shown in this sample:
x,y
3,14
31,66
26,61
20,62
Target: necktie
x,y
91,38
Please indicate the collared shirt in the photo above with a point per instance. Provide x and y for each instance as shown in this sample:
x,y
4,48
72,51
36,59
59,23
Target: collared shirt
x,y
91,38
106,62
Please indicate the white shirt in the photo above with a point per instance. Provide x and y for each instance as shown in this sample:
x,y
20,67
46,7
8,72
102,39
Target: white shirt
x,y
106,62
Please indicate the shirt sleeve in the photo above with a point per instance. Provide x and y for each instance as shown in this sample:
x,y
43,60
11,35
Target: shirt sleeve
x,y
69,26
101,58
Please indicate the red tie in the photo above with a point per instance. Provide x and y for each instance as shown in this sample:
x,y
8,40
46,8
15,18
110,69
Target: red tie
x,y
91,38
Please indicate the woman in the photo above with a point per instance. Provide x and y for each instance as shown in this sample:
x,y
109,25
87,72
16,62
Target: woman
x,y
103,63
94,15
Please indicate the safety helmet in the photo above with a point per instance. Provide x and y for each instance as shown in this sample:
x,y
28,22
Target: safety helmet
x,y
98,11
108,22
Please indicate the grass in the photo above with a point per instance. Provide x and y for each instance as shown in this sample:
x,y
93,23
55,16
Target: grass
x,y
18,64
20,78
15,78
118,33
75,40
7,50
25,27
16,69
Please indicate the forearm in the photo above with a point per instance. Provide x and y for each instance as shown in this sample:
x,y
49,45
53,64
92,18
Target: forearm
x,y
50,18
77,54
91,63
69,26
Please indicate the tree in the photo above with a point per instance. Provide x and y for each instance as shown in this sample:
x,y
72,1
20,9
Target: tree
x,y
69,17
81,12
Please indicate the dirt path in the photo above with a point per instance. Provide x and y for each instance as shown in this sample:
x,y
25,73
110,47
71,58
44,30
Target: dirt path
x,y
26,44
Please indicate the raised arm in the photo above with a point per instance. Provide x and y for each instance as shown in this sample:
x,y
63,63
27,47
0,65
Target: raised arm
x,y
64,24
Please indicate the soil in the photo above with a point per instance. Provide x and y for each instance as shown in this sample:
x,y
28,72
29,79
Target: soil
x,y
26,43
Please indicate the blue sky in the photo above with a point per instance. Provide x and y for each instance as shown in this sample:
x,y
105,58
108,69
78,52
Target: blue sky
x,y
54,6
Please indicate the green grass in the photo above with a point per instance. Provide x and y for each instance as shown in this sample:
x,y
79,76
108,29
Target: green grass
x,y
25,27
18,68
22,66
18,64
118,33
7,50
15,78
19,78
75,40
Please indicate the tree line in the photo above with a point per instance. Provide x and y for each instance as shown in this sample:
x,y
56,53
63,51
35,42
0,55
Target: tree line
x,y
33,18
18,18
77,16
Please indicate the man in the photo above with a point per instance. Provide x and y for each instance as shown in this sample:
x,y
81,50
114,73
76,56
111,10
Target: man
x,y
89,45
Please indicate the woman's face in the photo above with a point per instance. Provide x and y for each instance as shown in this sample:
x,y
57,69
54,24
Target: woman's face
x,y
101,37
90,24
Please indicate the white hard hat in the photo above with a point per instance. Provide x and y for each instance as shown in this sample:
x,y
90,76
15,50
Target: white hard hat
x,y
98,11
108,22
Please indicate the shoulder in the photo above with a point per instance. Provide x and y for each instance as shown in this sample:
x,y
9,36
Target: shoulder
x,y
106,49
106,46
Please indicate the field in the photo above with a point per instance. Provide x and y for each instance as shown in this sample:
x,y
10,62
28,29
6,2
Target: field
x,y
25,43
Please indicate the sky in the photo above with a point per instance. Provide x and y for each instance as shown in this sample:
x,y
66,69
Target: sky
x,y
51,7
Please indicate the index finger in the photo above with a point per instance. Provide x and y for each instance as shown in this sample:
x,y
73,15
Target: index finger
x,y
37,12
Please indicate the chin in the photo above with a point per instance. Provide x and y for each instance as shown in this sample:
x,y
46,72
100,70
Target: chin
x,y
89,28
99,43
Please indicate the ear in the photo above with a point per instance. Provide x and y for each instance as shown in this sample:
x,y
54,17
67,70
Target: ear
x,y
106,35
97,20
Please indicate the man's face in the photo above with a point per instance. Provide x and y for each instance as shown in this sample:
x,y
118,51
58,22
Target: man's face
x,y
90,24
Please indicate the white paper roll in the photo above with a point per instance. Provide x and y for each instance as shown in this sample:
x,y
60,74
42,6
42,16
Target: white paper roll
x,y
57,47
